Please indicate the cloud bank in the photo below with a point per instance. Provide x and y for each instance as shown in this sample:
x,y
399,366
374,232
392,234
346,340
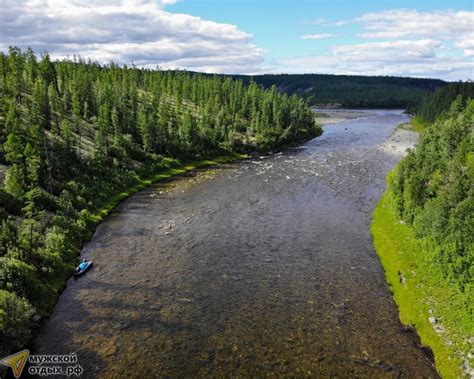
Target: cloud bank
x,y
399,42
123,31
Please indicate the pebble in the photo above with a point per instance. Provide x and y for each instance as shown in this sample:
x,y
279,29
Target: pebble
x,y
184,300
125,325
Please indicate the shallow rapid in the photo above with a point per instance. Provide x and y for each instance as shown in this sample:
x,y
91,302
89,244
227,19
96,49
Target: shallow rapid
x,y
260,267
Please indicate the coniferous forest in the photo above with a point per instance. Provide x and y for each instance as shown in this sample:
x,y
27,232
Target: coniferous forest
x,y
434,104
351,91
74,133
433,192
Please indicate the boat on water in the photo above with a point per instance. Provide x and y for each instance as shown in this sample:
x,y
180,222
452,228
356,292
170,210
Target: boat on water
x,y
83,267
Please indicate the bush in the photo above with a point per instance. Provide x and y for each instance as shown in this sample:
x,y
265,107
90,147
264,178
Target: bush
x,y
15,321
10,203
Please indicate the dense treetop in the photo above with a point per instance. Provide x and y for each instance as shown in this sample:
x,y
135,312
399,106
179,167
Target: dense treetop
x,y
433,191
439,101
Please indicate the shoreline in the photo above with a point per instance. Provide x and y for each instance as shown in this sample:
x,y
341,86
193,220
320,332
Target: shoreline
x,y
416,291
422,296
329,116
400,141
114,201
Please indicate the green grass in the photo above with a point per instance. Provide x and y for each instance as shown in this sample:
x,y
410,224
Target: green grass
x,y
415,125
142,183
425,289
418,125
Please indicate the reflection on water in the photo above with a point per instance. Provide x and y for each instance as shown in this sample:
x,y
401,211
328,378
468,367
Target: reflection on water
x,y
262,267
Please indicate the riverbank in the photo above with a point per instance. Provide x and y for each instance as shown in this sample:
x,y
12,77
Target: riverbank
x,y
328,116
424,297
404,137
78,227
141,182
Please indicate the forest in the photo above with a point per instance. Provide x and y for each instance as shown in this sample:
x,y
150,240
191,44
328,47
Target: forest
x,y
351,91
75,133
433,192
423,229
434,104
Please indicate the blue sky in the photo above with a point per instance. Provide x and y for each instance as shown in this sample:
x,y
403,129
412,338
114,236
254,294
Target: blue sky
x,y
403,38
277,26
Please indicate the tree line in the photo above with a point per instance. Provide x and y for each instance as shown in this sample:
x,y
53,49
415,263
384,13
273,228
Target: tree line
x,y
351,91
434,104
73,133
433,190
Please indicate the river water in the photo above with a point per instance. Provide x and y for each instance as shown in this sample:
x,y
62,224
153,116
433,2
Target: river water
x,y
260,267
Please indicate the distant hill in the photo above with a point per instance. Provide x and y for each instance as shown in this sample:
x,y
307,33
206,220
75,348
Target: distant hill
x,y
348,90
352,91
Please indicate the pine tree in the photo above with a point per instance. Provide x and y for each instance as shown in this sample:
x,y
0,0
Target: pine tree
x,y
76,116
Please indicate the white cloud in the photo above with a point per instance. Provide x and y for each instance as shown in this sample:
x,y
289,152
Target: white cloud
x,y
388,51
318,36
418,58
141,31
455,26
407,42
326,22
466,42
393,42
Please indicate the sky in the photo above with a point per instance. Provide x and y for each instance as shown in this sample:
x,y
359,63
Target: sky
x,y
427,38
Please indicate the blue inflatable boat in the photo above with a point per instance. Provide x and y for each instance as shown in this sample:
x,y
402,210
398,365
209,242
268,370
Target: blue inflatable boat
x,y
83,267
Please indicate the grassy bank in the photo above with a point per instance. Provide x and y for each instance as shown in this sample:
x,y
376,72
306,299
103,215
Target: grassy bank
x,y
415,125
421,292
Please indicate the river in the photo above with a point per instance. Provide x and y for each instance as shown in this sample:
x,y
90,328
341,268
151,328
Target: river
x,y
259,267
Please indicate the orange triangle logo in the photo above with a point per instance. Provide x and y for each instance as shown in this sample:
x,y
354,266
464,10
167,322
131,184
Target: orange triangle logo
x,y
16,362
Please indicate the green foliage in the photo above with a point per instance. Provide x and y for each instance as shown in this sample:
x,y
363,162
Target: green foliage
x,y
10,203
424,291
436,103
433,190
15,321
14,182
77,135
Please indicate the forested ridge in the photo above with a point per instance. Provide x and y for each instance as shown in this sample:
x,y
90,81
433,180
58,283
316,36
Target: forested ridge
x,y
436,103
74,133
351,91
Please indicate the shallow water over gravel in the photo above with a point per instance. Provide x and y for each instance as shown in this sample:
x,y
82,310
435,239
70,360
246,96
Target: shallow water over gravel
x,y
261,267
